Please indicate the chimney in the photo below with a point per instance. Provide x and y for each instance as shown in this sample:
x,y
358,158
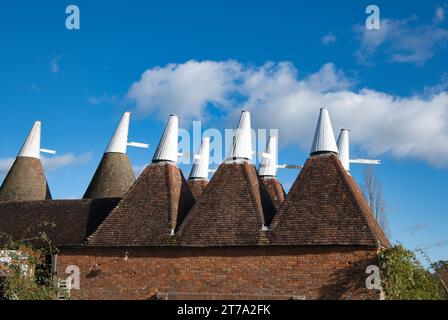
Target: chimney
x,y
344,149
324,141
167,148
114,174
201,161
26,179
242,143
268,163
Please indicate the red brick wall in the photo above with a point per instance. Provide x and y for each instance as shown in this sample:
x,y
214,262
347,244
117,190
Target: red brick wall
x,y
224,273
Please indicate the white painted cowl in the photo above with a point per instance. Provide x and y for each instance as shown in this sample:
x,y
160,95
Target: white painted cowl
x,y
324,140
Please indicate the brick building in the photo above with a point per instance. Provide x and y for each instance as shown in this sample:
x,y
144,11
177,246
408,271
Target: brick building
x,y
236,237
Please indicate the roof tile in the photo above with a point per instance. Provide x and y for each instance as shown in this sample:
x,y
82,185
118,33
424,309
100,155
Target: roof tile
x,y
232,210
325,207
152,207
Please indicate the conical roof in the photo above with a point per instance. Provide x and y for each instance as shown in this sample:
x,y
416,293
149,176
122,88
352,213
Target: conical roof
x,y
197,186
325,207
112,178
324,140
26,179
114,174
150,211
232,210
154,206
274,190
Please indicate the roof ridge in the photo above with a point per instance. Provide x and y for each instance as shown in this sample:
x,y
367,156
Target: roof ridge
x,y
284,206
188,217
255,195
170,181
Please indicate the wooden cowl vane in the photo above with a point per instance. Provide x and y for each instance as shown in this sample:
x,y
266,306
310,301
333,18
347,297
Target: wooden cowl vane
x,y
114,174
198,178
268,173
324,141
26,179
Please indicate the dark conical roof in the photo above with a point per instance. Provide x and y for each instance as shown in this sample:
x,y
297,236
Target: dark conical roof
x,y
150,211
274,189
325,207
232,210
112,178
197,186
25,181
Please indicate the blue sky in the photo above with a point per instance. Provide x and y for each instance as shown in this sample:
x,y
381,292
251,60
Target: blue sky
x,y
207,60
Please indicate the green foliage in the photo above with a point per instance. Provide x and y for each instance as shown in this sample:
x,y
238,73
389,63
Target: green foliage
x,y
28,272
404,277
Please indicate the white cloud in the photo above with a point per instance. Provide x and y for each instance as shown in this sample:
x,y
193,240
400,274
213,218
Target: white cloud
x,y
52,163
104,98
186,88
328,38
439,15
414,126
54,64
56,162
403,41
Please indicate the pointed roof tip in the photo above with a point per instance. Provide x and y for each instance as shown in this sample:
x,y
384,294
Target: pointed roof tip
x,y
268,166
167,148
119,140
344,148
324,141
242,143
200,167
31,146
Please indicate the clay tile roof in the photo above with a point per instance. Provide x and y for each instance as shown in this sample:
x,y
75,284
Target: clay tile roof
x,y
197,186
66,222
325,207
152,207
232,210
25,181
274,190
112,178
